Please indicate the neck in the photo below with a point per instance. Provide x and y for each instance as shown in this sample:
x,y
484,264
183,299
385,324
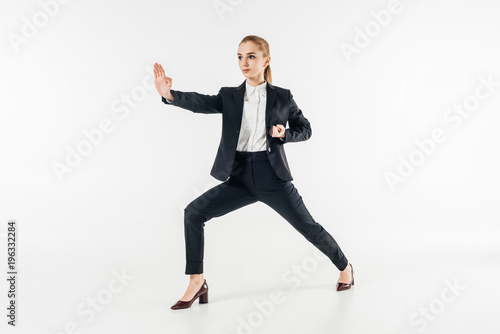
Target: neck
x,y
255,82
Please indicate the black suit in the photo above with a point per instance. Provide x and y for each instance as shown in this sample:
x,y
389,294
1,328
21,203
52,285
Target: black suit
x,y
280,109
253,176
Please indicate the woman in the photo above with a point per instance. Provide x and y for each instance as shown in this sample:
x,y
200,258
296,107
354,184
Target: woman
x,y
250,160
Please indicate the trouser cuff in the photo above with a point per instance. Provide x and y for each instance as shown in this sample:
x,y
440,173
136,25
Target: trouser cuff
x,y
194,268
342,264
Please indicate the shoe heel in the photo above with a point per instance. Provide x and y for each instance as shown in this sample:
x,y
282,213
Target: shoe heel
x,y
204,298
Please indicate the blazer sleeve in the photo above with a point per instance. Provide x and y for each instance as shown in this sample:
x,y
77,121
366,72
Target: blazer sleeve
x,y
196,102
299,127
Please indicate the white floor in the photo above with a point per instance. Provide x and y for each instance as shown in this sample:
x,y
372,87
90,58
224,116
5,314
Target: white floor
x,y
425,281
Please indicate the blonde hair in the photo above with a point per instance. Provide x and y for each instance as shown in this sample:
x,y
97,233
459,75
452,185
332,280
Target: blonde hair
x,y
264,47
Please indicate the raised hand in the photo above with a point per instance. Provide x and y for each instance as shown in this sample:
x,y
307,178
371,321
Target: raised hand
x,y
162,82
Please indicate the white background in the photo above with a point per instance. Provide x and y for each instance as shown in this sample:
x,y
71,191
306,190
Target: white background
x,y
121,207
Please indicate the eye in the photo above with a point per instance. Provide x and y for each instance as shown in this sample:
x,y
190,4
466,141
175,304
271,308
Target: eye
x,y
252,56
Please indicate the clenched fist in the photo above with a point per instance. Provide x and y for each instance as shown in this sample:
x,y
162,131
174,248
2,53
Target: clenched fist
x,y
277,131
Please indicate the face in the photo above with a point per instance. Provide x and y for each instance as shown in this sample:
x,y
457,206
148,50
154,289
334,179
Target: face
x,y
251,61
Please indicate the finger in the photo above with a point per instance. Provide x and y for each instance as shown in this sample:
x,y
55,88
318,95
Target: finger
x,y
162,69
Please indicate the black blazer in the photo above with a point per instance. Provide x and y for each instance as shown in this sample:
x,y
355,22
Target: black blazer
x,y
280,109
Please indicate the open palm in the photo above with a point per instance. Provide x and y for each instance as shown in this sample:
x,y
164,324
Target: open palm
x,y
162,82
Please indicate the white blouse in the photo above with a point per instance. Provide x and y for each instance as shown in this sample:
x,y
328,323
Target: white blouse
x,y
252,136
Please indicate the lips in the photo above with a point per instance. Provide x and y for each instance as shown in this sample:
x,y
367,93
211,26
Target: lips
x,y
246,70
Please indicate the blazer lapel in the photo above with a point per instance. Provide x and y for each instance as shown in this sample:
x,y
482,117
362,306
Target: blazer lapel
x,y
271,94
239,94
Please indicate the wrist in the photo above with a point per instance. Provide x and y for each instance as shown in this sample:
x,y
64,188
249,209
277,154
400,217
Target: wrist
x,y
169,96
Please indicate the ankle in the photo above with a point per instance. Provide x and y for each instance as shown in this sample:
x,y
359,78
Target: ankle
x,y
196,278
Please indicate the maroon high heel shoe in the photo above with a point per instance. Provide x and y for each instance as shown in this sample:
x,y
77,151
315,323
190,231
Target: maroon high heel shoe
x,y
346,286
202,293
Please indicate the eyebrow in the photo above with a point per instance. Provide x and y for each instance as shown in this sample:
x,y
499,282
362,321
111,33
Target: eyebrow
x,y
247,53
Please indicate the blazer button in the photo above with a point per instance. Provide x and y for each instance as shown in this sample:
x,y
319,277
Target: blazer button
x,y
269,149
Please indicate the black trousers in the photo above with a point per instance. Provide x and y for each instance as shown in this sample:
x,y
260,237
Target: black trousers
x,y
252,180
